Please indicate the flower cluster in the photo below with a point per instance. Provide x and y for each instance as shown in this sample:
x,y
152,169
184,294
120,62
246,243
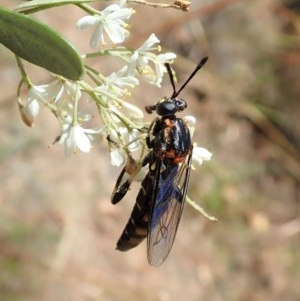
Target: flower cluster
x,y
143,56
109,21
122,123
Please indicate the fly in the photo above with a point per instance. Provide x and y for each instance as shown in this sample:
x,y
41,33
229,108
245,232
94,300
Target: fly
x,y
159,203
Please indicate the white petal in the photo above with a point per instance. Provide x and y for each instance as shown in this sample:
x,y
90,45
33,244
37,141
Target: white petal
x,y
134,146
159,69
32,107
201,154
205,154
190,119
132,64
117,158
134,57
122,3
95,131
87,21
149,42
122,80
45,93
81,139
133,111
144,61
110,9
122,14
191,122
164,57
70,146
97,37
115,32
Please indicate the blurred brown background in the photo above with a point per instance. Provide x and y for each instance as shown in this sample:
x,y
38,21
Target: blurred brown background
x,y
58,229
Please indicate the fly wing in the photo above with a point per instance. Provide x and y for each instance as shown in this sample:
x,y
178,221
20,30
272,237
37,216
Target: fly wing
x,y
128,174
167,203
122,185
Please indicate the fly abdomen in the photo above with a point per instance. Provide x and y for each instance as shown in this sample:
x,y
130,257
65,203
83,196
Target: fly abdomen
x,y
134,233
136,229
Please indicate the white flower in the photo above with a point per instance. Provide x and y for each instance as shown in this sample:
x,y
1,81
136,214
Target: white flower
x,y
109,21
122,139
40,94
117,157
37,94
32,107
191,122
115,84
25,115
159,63
129,138
133,111
70,89
144,55
119,79
50,93
74,136
200,154
53,91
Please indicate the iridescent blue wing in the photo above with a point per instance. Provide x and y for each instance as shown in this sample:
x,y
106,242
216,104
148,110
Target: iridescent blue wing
x,y
167,203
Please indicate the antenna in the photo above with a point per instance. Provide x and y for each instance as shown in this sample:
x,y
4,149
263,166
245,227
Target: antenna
x,y
199,66
171,79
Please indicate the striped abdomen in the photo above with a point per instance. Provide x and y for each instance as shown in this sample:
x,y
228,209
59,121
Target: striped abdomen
x,y
137,227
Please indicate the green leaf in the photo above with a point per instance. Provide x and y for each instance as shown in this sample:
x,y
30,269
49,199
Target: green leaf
x,y
37,5
39,44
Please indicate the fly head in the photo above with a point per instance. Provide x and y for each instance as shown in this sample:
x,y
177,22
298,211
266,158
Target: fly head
x,y
171,105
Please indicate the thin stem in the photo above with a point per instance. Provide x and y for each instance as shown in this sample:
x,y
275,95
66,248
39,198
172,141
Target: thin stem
x,y
177,4
75,111
201,210
90,10
25,78
111,51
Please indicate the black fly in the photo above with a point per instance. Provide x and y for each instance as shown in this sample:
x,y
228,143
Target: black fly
x,y
160,201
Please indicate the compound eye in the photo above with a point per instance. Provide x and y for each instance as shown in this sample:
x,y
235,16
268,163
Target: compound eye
x,y
180,104
167,106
